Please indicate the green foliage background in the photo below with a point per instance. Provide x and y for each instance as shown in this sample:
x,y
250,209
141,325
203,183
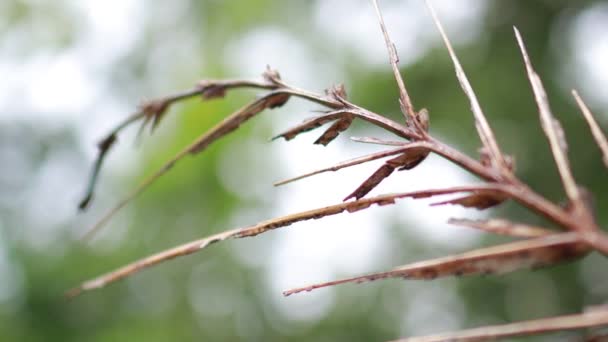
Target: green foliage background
x,y
234,302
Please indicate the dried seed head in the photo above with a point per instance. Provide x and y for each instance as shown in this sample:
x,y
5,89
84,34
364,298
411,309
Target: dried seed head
x,y
106,143
271,75
337,92
423,119
276,101
211,90
154,110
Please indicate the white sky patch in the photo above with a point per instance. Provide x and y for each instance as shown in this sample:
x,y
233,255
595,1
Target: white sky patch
x,y
111,26
64,85
433,308
56,88
408,23
60,85
589,41
249,55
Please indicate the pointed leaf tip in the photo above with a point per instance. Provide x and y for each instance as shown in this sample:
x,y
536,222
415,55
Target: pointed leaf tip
x,y
532,253
332,132
405,161
481,201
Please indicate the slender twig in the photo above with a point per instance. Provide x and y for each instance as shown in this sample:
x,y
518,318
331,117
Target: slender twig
x,y
109,140
481,123
360,160
551,126
368,116
257,229
227,126
596,131
404,98
270,100
156,108
537,252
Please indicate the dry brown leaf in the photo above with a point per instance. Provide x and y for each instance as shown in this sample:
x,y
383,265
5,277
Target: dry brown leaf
x,y
531,253
311,124
249,231
412,158
264,226
334,130
370,183
271,100
405,161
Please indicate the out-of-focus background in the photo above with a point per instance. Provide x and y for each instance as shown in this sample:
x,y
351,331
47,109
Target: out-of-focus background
x,y
71,70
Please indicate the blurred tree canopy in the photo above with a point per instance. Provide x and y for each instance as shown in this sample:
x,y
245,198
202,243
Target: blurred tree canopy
x,y
226,293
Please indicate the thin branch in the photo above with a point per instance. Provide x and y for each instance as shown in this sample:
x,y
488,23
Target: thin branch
x,y
155,109
503,227
516,190
464,160
250,231
360,160
526,328
596,131
436,146
404,98
346,114
551,126
149,108
481,123
270,100
542,251
226,126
